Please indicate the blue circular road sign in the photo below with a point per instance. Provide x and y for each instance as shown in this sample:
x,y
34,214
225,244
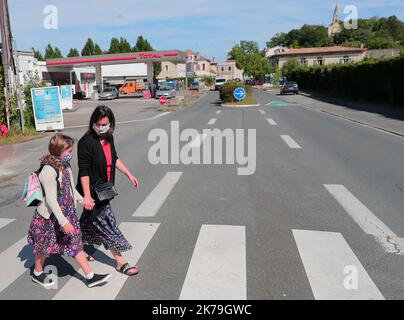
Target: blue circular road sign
x,y
240,94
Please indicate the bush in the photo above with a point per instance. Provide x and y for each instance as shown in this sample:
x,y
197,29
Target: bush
x,y
227,90
370,80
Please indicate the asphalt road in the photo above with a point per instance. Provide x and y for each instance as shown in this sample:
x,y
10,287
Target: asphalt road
x,y
321,217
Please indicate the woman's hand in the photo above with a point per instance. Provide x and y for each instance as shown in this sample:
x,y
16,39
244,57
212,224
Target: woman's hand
x,y
134,181
88,203
69,229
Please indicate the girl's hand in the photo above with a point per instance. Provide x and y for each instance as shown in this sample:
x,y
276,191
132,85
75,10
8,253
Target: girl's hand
x,y
88,203
134,181
69,229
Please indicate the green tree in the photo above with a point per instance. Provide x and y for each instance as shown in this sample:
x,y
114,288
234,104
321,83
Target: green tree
x,y
73,53
38,55
89,48
97,50
124,45
114,47
250,59
57,52
292,65
49,52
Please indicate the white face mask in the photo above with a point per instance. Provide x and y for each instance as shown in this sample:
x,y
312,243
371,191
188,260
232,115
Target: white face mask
x,y
101,130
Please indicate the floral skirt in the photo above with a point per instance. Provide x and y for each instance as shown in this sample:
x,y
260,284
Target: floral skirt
x,y
48,237
103,230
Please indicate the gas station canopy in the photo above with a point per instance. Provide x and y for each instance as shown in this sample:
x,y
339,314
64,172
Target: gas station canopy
x,y
120,58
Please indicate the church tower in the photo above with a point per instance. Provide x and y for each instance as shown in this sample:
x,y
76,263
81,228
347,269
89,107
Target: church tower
x,y
334,27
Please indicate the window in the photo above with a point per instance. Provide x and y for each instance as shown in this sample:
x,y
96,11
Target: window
x,y
222,69
320,61
303,62
166,67
229,68
203,67
345,59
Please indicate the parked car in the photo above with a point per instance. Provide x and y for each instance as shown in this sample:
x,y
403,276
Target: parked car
x,y
195,86
109,93
219,82
167,92
289,87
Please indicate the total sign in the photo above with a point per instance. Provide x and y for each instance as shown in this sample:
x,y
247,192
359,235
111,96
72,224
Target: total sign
x,y
239,94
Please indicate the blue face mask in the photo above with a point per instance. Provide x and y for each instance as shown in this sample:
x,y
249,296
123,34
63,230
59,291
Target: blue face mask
x,y
66,159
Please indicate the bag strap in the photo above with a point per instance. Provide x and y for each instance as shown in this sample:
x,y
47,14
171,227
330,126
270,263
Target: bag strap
x,y
57,179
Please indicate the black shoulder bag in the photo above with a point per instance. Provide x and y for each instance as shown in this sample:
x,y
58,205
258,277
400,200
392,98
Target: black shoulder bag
x,y
104,190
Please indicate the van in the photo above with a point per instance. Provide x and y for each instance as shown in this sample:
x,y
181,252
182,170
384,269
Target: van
x,y
132,86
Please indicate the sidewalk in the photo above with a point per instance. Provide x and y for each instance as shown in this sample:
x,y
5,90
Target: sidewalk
x,y
383,117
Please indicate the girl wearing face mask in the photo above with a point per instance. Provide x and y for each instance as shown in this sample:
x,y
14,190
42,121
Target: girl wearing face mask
x,y
55,227
98,161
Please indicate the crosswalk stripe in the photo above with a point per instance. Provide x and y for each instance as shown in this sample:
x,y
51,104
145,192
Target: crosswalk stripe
x,y
218,111
5,222
262,112
139,235
217,269
212,122
290,142
15,261
151,205
366,219
272,122
333,270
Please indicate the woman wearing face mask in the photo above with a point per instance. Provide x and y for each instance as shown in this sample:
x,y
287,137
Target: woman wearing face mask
x,y
55,227
98,161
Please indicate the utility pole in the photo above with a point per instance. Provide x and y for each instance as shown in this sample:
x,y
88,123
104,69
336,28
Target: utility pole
x,y
10,64
5,53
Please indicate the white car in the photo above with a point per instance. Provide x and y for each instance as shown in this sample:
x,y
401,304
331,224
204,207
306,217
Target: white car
x,y
219,82
166,92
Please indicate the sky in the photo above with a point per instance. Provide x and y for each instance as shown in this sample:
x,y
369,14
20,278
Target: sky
x,y
211,27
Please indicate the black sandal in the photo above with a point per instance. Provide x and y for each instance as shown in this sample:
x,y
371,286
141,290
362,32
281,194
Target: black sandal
x,y
90,258
125,269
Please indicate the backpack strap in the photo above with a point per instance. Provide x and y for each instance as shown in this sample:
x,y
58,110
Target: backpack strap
x,y
59,193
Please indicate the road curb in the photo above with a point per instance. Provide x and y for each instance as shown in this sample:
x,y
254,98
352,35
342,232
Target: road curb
x,y
235,106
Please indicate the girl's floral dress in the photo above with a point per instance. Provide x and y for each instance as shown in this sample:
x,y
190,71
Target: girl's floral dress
x,y
47,236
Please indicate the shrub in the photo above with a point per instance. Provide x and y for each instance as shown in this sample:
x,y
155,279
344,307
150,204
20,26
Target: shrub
x,y
227,90
370,80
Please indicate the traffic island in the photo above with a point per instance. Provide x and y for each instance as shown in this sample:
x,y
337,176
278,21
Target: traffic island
x,y
241,98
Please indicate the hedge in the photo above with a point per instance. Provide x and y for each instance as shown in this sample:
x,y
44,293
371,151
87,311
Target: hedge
x,y
369,80
227,90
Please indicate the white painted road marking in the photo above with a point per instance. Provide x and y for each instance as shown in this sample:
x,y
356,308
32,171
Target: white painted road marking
x,y
15,261
125,122
328,261
272,122
5,222
151,205
139,235
218,111
365,218
212,122
263,112
218,266
290,142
